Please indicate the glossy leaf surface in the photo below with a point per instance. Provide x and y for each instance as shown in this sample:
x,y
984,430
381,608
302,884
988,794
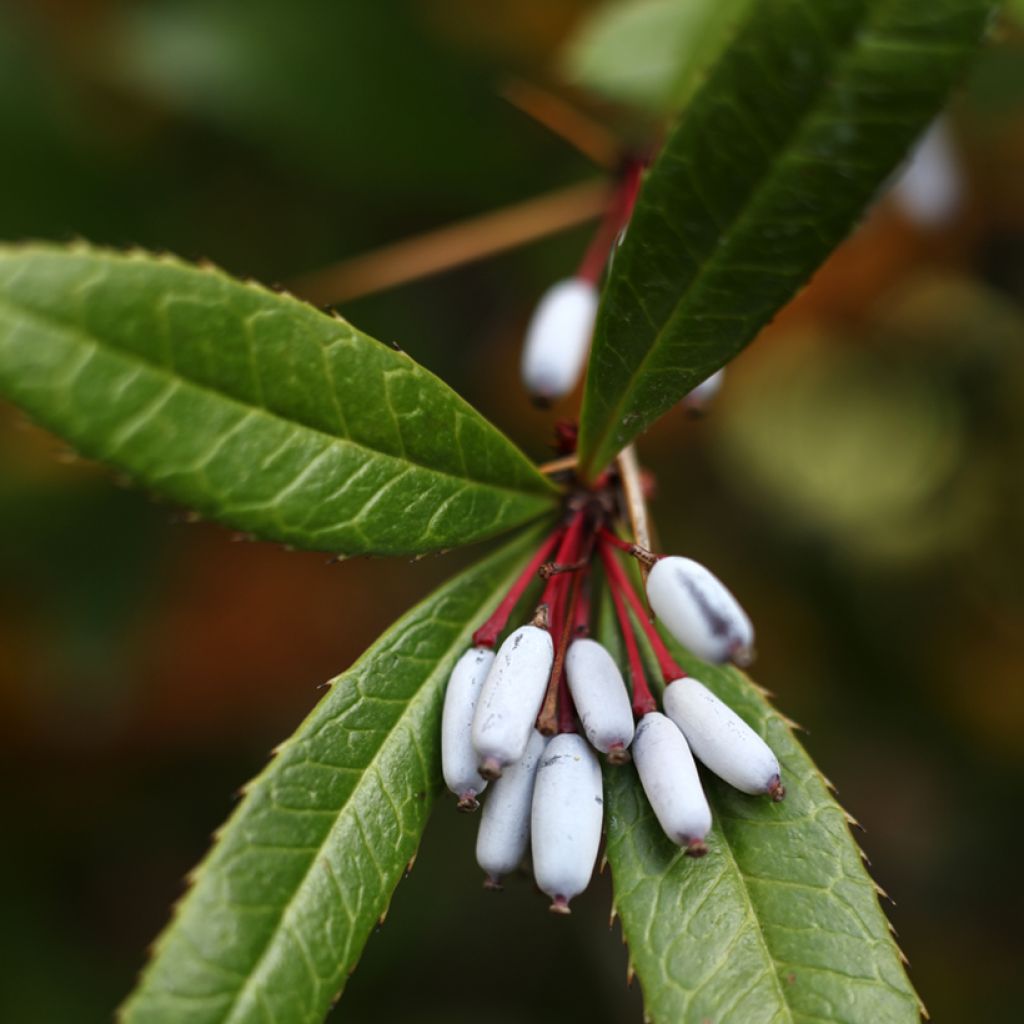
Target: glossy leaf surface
x,y
299,876
807,111
251,407
779,922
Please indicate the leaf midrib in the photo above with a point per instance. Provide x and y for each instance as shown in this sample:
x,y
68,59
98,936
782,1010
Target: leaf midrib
x,y
85,338
762,940
252,975
735,223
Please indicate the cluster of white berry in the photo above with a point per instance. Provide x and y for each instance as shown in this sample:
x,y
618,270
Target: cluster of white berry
x,y
529,720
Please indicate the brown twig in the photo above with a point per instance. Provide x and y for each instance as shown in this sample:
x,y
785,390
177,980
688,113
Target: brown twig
x,y
558,465
583,133
636,506
454,245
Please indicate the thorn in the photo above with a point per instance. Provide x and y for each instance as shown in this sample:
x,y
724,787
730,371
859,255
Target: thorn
x,y
612,915
603,864
630,974
411,863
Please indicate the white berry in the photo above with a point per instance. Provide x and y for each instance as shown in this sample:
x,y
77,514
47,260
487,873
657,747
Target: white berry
x,y
458,758
566,819
510,698
505,822
669,777
699,611
930,187
599,693
697,400
722,740
558,338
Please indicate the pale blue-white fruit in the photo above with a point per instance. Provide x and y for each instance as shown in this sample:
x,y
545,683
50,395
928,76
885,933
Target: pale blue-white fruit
x,y
458,758
720,739
599,693
697,400
505,822
670,781
510,698
699,611
558,338
565,822
929,189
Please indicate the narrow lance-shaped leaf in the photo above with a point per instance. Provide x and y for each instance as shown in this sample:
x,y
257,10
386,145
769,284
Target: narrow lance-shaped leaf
x,y
799,122
299,876
251,407
780,921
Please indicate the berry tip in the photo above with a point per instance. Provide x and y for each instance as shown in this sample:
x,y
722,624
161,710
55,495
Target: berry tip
x,y
468,802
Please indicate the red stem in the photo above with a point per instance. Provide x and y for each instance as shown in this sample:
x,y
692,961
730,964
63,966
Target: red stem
x,y
608,537
566,553
581,614
670,668
643,702
560,612
615,219
487,635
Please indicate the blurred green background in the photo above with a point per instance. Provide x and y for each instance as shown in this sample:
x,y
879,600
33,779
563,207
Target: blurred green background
x,y
858,484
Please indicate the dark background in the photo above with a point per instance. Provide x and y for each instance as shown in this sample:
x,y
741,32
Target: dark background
x,y
858,485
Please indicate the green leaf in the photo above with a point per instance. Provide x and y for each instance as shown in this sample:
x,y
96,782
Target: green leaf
x,y
780,922
650,53
797,125
299,876
251,407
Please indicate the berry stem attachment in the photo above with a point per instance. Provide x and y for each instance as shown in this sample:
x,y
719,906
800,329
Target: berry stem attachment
x,y
643,701
645,557
670,668
487,635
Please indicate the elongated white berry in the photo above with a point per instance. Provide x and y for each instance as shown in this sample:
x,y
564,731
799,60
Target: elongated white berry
x,y
599,693
566,819
505,823
458,758
930,187
722,740
510,699
699,611
558,338
697,400
669,777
